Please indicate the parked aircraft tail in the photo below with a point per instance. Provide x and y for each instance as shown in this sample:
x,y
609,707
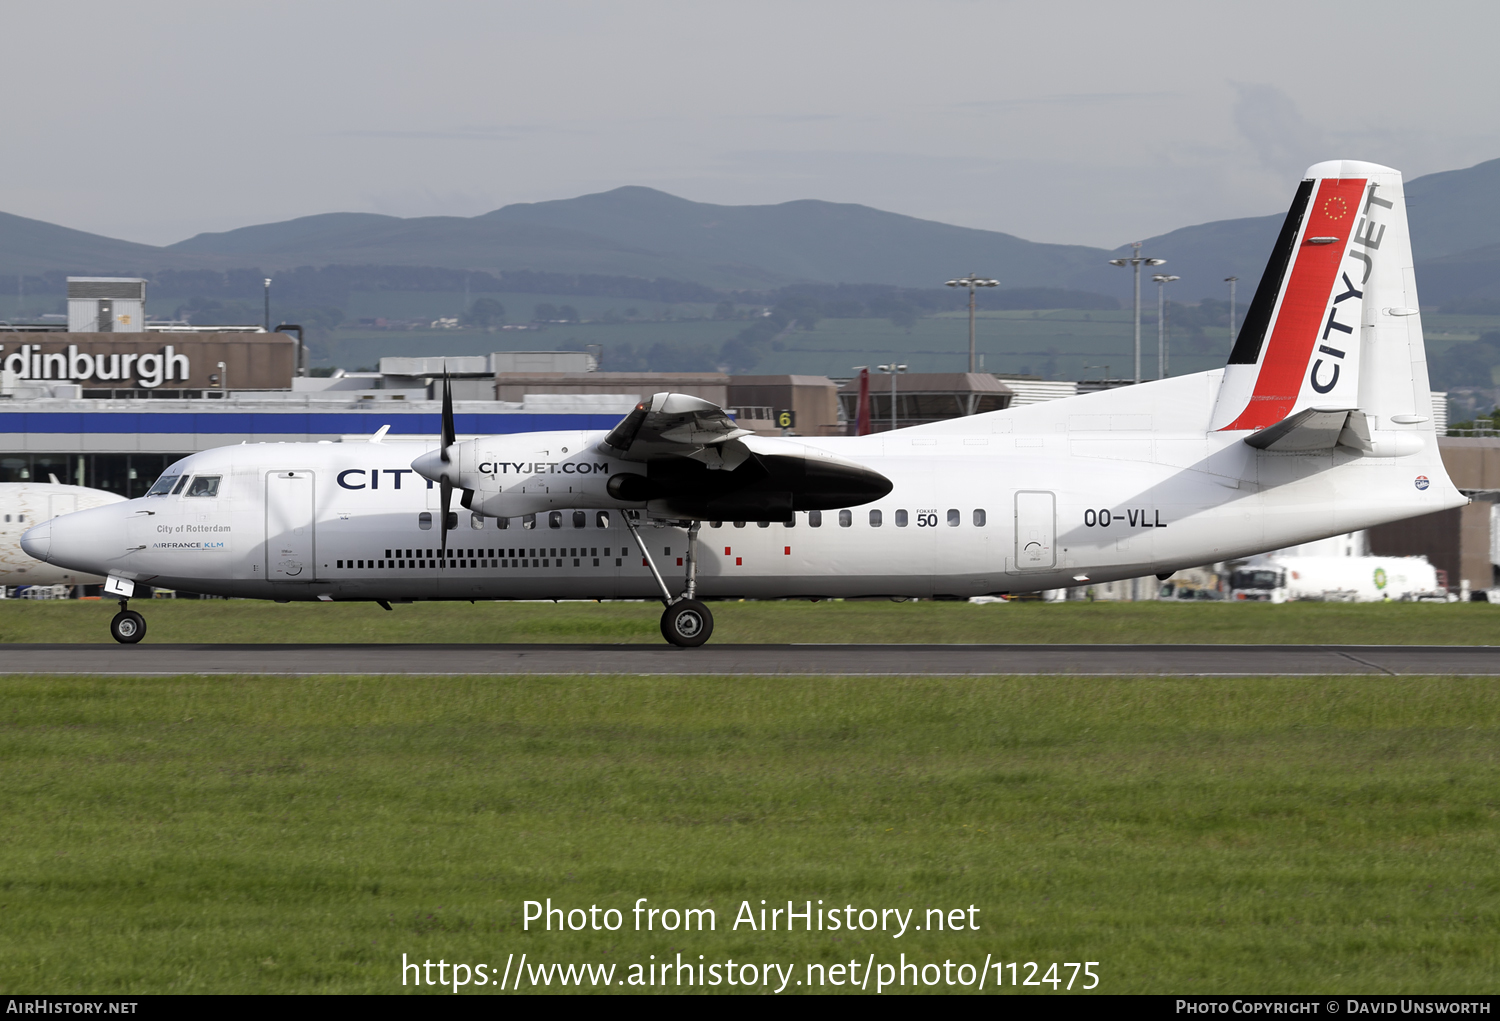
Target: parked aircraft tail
x,y
1332,342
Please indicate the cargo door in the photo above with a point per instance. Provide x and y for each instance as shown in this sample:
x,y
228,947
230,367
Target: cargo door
x,y
290,549
1036,531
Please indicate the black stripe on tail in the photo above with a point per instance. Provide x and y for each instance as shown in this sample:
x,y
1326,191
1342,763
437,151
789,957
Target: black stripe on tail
x,y
1258,319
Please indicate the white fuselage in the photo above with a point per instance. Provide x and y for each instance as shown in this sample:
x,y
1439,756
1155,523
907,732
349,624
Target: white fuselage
x,y
1094,488
24,504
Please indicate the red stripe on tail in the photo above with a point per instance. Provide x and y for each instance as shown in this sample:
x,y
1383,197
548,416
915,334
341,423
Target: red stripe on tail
x,y
1311,280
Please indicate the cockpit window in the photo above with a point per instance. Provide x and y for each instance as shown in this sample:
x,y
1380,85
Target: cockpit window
x,y
163,485
181,482
204,485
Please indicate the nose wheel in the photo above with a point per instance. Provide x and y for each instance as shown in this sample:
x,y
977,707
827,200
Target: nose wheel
x,y
127,627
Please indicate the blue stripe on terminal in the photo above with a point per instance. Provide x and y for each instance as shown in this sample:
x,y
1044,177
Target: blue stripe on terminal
x,y
298,424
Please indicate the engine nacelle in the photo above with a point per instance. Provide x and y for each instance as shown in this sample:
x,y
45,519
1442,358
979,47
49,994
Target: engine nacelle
x,y
753,478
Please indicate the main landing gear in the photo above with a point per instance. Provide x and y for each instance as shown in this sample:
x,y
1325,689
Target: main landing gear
x,y
685,622
127,627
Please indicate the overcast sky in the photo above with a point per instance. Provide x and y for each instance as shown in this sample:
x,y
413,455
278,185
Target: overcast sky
x,y
1092,123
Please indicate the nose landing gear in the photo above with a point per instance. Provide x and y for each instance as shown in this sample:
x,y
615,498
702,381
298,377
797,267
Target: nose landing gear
x,y
127,627
685,622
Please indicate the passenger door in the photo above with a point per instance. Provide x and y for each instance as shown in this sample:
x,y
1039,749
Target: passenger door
x,y
290,540
1036,531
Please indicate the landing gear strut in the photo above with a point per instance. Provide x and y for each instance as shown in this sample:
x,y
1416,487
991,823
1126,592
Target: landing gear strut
x,y
685,622
127,627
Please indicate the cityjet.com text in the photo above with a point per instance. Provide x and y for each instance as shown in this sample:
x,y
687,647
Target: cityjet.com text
x,y
868,974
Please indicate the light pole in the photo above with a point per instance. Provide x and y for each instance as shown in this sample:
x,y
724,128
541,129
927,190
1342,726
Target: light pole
x,y
971,281
1136,260
1230,281
893,369
1162,280
268,304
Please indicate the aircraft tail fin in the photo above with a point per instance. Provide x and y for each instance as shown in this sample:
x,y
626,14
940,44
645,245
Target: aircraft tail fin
x,y
1334,322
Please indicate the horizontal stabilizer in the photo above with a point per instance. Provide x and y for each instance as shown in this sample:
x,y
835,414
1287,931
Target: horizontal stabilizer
x,y
1309,429
1315,430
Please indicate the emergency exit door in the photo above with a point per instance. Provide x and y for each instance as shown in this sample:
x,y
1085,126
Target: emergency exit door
x,y
290,548
1036,531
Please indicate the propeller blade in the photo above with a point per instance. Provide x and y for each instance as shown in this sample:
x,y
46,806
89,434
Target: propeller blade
x,y
450,432
446,488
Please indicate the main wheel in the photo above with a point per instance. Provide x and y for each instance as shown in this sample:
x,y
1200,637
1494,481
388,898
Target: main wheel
x,y
128,627
687,623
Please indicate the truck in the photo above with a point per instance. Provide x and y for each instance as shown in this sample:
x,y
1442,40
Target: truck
x,y
1278,578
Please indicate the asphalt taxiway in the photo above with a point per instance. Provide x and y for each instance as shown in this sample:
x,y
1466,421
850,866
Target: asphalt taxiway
x,y
860,660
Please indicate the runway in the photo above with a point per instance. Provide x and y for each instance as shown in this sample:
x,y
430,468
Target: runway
x,y
832,660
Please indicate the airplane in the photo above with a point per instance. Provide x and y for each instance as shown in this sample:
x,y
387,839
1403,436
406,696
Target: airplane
x,y
1321,423
24,504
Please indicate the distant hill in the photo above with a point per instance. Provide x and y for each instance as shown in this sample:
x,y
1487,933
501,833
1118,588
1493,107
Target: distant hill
x,y
642,233
35,246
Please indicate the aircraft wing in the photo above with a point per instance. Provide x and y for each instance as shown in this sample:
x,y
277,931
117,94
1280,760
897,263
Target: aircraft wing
x,y
677,425
696,463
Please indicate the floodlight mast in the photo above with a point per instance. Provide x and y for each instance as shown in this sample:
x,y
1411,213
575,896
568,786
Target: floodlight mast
x,y
1231,282
893,369
971,281
1162,280
1135,261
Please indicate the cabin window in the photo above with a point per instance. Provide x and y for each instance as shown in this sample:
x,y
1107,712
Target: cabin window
x,y
204,485
846,518
476,521
716,524
528,521
162,488
979,519
739,524
424,521
762,524
580,519
953,517
875,518
791,521
554,519
901,519
814,519
502,522
601,519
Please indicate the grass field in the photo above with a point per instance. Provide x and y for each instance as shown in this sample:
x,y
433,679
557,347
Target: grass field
x,y
184,620
1193,836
